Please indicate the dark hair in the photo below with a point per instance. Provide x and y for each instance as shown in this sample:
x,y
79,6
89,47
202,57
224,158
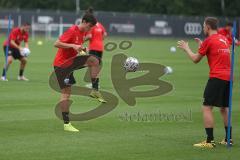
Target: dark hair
x,y
212,22
89,10
89,18
229,24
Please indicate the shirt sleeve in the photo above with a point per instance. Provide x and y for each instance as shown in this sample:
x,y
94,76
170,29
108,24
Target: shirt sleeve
x,y
67,36
203,48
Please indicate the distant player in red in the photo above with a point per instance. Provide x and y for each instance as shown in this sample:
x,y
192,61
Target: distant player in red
x,y
96,46
16,37
69,45
96,37
216,48
227,32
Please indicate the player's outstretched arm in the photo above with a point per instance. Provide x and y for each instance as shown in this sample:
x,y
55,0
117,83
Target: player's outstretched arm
x,y
195,57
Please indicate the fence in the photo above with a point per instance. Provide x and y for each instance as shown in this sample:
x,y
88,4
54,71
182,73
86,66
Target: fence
x,y
51,24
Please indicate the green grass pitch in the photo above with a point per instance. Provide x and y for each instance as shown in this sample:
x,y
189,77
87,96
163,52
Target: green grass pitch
x,y
31,131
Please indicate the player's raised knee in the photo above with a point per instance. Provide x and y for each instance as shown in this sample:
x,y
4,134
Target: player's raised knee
x,y
93,61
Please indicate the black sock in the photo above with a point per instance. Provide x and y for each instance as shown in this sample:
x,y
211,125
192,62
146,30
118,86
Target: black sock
x,y
21,72
95,82
65,117
209,132
226,131
4,72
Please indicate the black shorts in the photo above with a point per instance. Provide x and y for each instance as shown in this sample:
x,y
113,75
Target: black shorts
x,y
14,52
98,54
216,93
64,78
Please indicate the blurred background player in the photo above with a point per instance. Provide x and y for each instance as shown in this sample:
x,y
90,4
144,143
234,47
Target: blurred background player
x,y
227,32
69,45
216,48
16,36
96,46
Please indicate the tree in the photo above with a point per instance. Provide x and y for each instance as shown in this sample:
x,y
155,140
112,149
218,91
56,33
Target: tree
x,y
170,7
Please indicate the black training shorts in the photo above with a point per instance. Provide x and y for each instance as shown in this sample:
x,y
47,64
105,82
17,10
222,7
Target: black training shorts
x,y
65,79
216,93
14,52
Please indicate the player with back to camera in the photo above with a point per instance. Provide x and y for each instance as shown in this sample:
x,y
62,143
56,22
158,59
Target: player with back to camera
x,y
216,48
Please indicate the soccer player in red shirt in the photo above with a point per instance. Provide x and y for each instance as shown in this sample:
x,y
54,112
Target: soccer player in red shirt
x,y
16,36
227,32
96,46
216,48
69,45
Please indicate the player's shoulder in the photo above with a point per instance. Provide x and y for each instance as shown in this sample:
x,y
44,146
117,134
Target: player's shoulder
x,y
216,38
221,29
72,28
220,36
99,25
16,29
210,39
207,40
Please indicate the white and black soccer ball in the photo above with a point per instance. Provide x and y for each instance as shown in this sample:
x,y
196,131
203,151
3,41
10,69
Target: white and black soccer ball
x,y
25,52
168,70
131,64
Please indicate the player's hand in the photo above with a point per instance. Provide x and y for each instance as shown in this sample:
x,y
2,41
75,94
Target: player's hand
x,y
183,45
20,49
198,40
77,48
87,37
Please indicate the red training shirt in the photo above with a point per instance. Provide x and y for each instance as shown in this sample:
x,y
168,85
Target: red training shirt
x,y
97,33
216,48
18,36
72,36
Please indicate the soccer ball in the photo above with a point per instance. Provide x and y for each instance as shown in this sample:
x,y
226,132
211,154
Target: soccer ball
x,y
25,52
39,43
131,64
173,49
168,70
